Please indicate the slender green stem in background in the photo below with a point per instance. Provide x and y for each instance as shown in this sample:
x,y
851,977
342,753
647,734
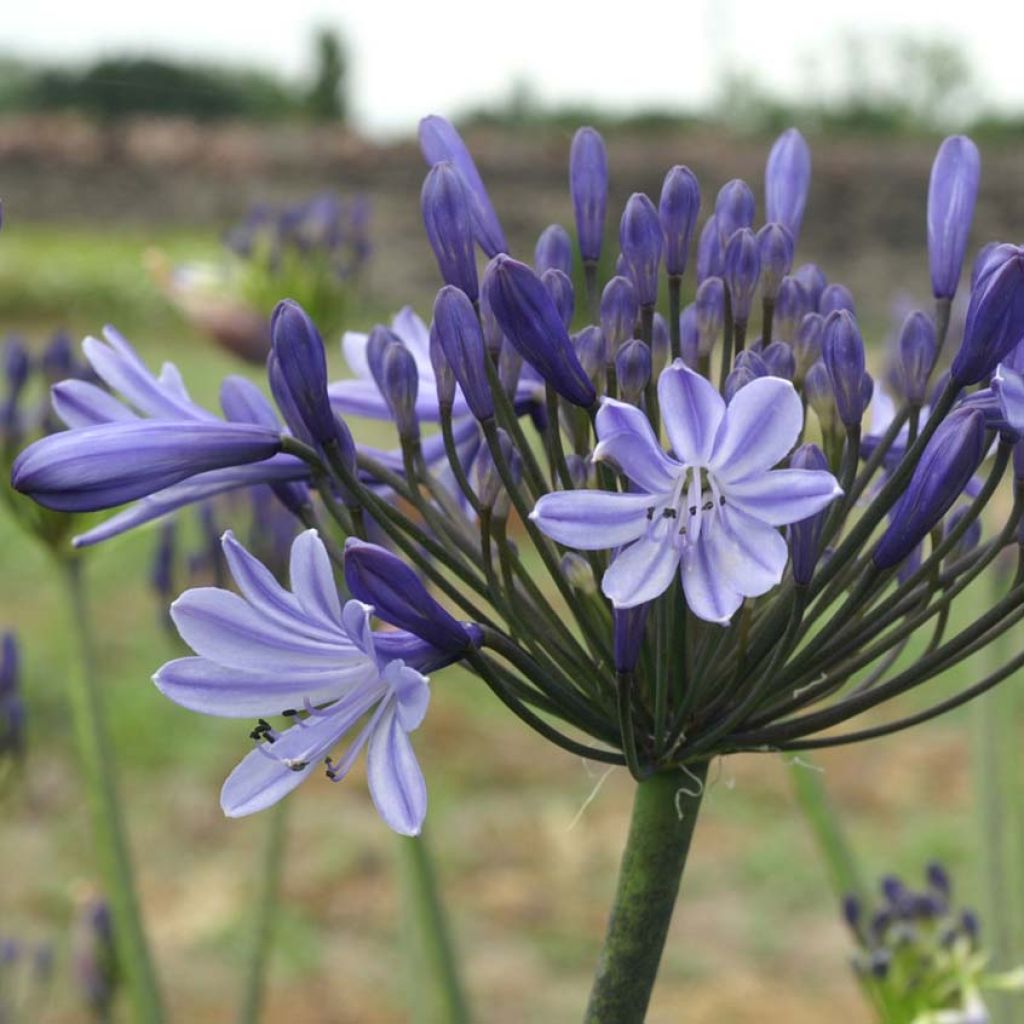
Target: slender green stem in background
x,y
664,815
435,992
997,767
104,807
268,894
812,796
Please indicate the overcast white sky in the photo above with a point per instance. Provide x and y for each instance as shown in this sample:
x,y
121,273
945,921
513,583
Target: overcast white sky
x,y
419,57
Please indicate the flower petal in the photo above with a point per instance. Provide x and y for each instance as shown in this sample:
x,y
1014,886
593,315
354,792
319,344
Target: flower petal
x,y
258,782
79,403
592,520
644,570
626,438
411,691
312,579
783,496
692,410
353,348
760,426
708,595
749,556
1008,384
396,782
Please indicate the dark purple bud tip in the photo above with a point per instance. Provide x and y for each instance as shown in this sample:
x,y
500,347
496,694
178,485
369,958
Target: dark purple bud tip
x,y
401,388
709,251
553,251
734,209
633,369
678,208
440,142
620,310
628,626
836,297
529,319
787,179
300,354
917,347
842,351
375,576
459,335
952,191
742,268
561,291
641,240
995,317
805,536
448,218
938,879
775,247
853,911
946,467
588,184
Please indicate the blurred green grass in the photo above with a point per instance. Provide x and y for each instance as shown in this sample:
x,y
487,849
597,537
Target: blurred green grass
x,y
528,893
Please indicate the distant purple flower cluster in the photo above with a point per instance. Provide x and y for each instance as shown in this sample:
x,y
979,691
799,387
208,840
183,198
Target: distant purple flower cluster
x,y
655,555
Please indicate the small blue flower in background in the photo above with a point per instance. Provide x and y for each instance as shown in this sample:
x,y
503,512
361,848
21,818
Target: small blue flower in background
x,y
12,707
713,508
301,653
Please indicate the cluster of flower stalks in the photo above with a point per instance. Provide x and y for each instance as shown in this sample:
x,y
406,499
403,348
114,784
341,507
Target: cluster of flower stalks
x,y
657,538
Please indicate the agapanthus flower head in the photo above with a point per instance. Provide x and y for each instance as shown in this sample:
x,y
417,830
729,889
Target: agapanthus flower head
x,y
787,179
588,184
642,241
678,209
952,192
553,251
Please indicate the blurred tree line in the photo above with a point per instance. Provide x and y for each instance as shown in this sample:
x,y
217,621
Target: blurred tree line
x,y
118,86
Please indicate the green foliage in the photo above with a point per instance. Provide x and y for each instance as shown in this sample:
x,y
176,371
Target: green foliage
x,y
327,100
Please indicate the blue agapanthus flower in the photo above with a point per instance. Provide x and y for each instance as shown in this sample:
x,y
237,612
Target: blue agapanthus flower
x,y
713,507
270,651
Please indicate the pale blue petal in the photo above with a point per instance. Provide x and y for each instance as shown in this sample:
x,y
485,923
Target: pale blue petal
x,y
353,347
691,410
644,570
396,782
626,438
355,618
783,496
761,425
747,555
81,404
592,520
411,691
312,579
1008,385
257,783
708,595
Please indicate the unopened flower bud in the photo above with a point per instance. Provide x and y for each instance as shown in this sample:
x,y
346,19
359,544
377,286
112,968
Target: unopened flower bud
x,y
811,276
739,377
592,352
821,397
752,360
734,209
401,389
842,351
444,375
952,191
791,306
628,626
641,239
709,251
576,569
787,179
561,291
775,249
835,297
680,203
805,536
620,310
588,184
448,218
969,539
459,335
553,251
661,344
742,268
917,348
779,359
510,365
807,344
633,370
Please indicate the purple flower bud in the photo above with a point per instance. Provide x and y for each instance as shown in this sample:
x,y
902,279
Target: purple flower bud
x,y
835,297
946,467
401,389
510,366
16,366
592,352
952,191
807,344
579,470
970,538
779,359
641,239
561,291
633,370
58,359
867,389
734,209
440,143
490,487
739,377
995,317
938,879
458,333
444,375
12,707
661,344
377,577
842,351
448,218
95,957
628,635
576,569
620,310
492,331
805,536
689,334
709,308
380,340
161,573
821,397
588,183
742,268
553,251
787,178
775,248
918,350
680,203
791,306
814,281
981,262
751,360
709,251
300,354
529,320
853,911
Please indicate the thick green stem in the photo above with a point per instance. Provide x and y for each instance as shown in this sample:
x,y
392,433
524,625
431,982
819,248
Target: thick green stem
x,y
664,814
112,851
266,912
435,992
